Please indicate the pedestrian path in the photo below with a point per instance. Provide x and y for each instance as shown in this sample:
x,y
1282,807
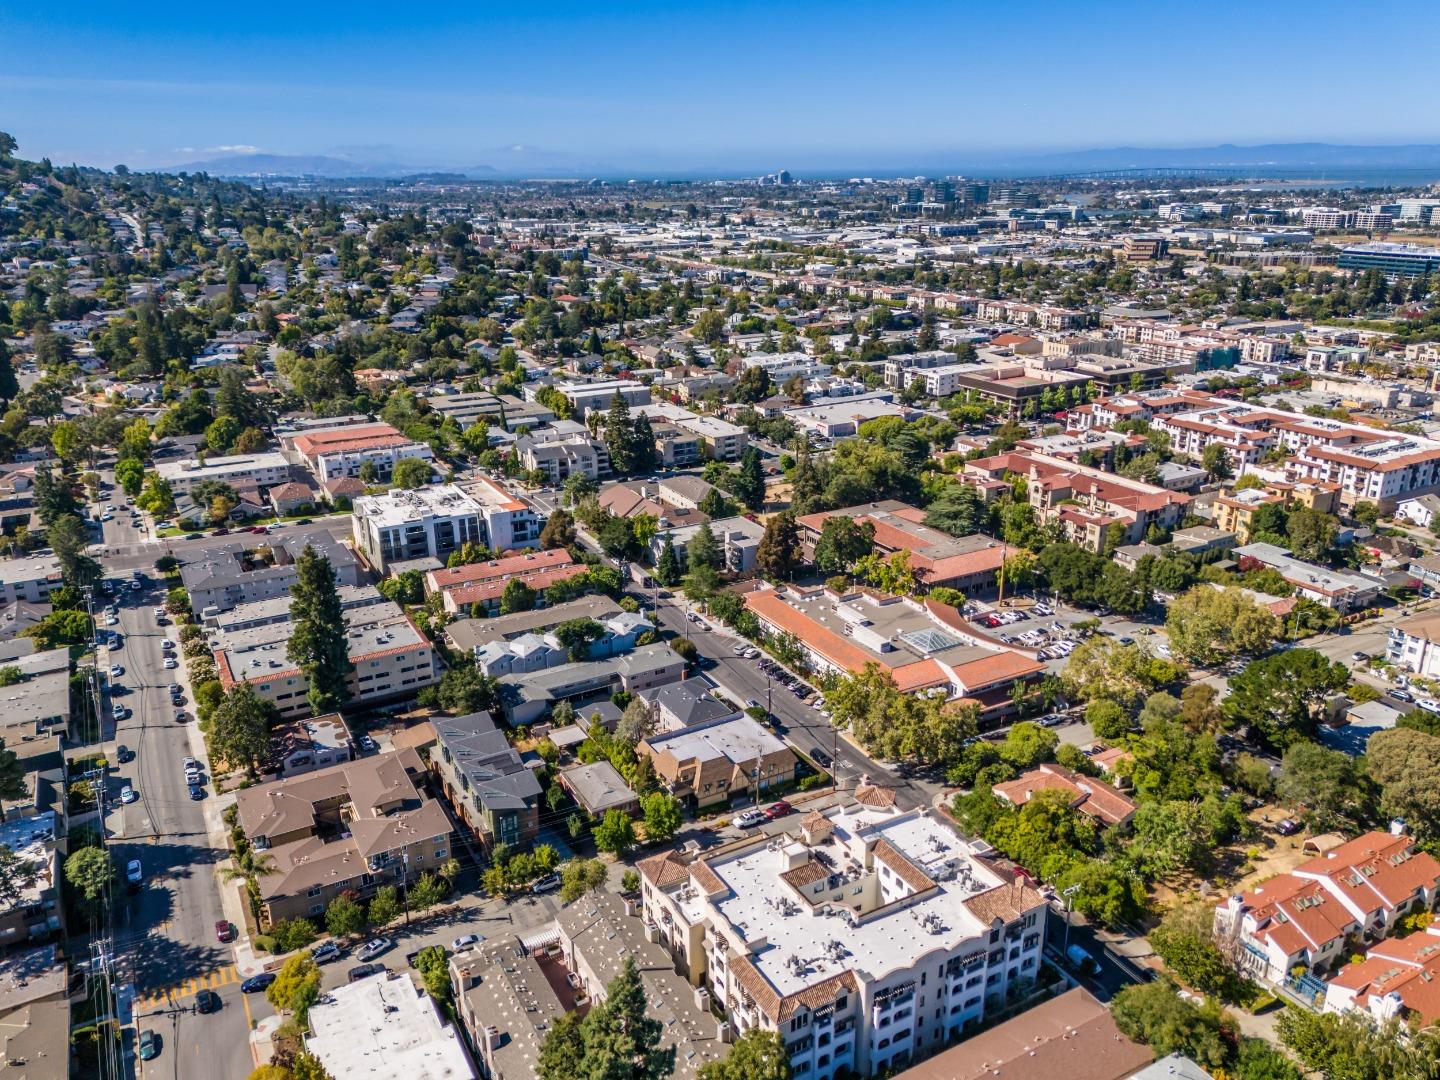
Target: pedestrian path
x,y
211,980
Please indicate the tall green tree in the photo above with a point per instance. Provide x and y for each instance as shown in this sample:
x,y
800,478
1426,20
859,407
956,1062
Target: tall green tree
x,y
779,548
318,642
756,1055
667,567
748,484
240,728
843,542
617,1040
620,436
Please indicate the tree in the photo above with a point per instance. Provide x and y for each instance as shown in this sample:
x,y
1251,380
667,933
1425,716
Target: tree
x,y
1328,784
1153,1013
157,497
384,906
1103,669
756,1055
667,567
410,472
318,642
843,542
662,815
748,483
617,1040
344,916
427,891
1171,838
615,834
1210,626
1027,744
779,547
577,635
1185,940
465,689
1406,765
703,550
1277,696
90,872
959,511
296,987
221,434
1106,719
433,963
1311,533
240,728
1351,1046
620,436
637,721
1215,460
559,530
579,876
16,876
130,475
517,597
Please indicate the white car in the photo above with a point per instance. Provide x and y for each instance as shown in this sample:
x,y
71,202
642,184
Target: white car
x,y
159,612
748,819
171,662
1428,704
167,644
465,941
116,671
127,794
112,620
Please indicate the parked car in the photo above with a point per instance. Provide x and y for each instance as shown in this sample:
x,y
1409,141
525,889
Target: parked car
x,y
123,754
1359,657
325,952
465,941
368,744
1052,720
127,795
374,947
778,809
548,883
196,793
116,671
1288,827
134,874
224,931
256,984
821,758
149,1046
364,971
748,819
207,1001
1402,695
171,662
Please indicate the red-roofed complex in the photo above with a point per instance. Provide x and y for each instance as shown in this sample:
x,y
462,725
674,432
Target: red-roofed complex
x,y
1359,890
343,451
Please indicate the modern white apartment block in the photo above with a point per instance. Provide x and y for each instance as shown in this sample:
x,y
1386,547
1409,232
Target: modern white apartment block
x,y
432,522
344,451
869,939
587,397
261,470
29,579
785,366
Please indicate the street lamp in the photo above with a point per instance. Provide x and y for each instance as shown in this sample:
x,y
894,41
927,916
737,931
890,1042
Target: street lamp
x,y
1068,893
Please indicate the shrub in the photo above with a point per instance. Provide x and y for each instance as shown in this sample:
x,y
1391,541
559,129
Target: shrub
x,y
291,934
263,943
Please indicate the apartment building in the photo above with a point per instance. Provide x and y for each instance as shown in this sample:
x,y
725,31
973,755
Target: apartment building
x,y
1414,646
432,522
29,580
350,828
1144,248
1356,890
1392,260
588,397
389,659
1235,510
706,763
559,456
502,411
492,791
1337,589
406,1035
922,645
345,451
784,366
245,470
720,440
536,651
483,584
867,940
1088,503
230,575
1395,981
470,635
530,697
967,563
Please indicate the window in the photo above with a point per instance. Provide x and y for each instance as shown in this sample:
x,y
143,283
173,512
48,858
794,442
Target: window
x,y
317,909
799,1022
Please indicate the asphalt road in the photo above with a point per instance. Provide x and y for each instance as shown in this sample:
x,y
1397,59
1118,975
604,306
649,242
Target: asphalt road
x,y
165,935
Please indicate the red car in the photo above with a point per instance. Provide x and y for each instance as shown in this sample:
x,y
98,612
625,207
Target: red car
x,y
224,931
778,809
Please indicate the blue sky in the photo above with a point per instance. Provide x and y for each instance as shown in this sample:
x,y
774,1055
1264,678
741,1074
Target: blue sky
x,y
736,86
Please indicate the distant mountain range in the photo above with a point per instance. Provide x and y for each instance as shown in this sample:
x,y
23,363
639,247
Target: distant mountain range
x,y
525,161
331,168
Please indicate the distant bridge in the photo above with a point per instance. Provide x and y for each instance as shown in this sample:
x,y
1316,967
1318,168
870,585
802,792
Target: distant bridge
x,y
1167,172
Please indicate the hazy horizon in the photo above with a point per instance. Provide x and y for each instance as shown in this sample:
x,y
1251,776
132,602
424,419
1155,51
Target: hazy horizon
x,y
750,88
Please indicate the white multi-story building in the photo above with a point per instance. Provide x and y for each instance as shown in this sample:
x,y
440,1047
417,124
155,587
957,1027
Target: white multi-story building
x,y
344,451
782,367
432,522
262,470
867,940
1415,646
28,579
587,397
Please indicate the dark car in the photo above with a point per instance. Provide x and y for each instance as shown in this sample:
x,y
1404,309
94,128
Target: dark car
x,y
207,1001
257,983
196,793
1288,827
364,971
123,754
224,931
821,758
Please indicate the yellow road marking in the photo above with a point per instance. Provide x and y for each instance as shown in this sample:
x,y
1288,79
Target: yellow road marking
x,y
210,980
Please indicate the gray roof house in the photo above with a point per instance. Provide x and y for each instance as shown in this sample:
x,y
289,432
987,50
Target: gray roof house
x,y
492,791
